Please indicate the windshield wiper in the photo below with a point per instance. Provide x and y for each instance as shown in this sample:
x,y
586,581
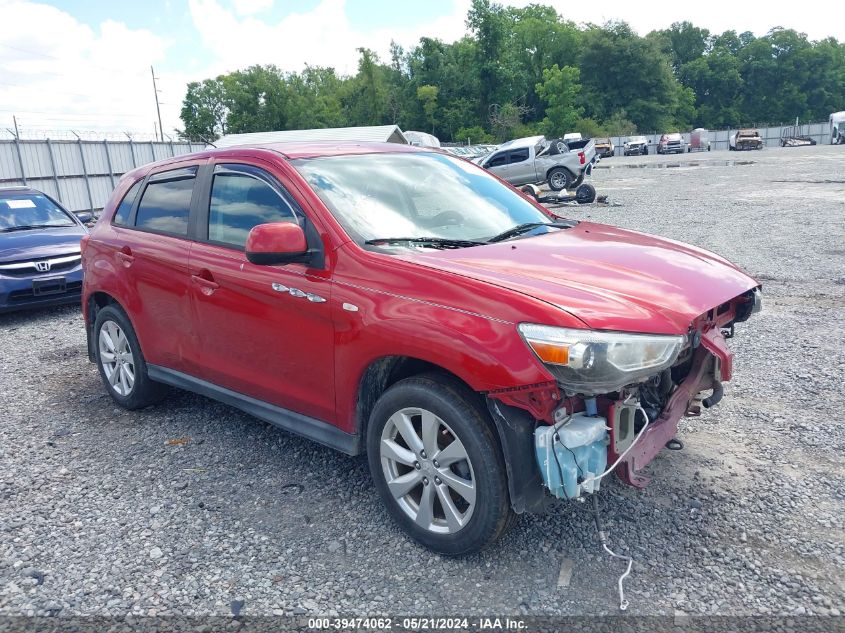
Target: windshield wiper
x,y
27,227
527,226
442,242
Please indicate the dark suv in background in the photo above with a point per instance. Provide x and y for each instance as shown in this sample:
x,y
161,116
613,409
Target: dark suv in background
x,y
40,263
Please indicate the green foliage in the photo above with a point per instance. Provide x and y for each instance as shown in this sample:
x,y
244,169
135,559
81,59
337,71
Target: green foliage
x,y
560,91
506,120
204,111
475,135
523,71
427,95
588,128
620,125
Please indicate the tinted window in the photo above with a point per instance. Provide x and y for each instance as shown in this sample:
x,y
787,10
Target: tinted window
x,y
240,202
121,215
518,155
498,159
165,206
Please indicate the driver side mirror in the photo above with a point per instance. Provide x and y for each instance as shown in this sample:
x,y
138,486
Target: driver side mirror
x,y
84,217
277,243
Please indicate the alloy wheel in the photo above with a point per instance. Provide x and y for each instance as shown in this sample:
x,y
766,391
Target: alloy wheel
x,y
427,470
116,358
558,181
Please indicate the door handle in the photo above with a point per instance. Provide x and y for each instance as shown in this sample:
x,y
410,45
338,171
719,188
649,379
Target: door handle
x,y
207,286
125,256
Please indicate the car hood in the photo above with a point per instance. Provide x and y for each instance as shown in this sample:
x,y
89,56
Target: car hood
x,y
37,243
609,278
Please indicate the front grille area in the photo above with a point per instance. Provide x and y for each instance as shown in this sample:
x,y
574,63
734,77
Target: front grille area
x,y
20,296
29,268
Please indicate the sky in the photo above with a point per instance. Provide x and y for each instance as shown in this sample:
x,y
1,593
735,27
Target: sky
x,y
84,65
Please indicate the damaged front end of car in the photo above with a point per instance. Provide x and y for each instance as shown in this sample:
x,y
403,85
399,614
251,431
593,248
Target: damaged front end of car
x,y
616,401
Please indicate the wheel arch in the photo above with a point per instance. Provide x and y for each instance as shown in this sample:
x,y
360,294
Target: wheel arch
x,y
512,428
95,302
563,167
386,371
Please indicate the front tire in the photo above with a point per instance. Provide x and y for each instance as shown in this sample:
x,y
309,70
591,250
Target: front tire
x,y
437,466
121,363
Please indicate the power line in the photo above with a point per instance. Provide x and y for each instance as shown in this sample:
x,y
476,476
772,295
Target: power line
x,y
59,59
38,114
43,89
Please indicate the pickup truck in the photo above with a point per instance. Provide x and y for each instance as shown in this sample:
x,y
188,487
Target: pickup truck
x,y
534,160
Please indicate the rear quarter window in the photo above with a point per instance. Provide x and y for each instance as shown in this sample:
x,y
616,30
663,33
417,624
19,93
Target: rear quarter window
x,y
121,214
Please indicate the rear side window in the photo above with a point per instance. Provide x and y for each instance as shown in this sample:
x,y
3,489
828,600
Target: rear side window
x,y
240,202
166,203
518,155
121,215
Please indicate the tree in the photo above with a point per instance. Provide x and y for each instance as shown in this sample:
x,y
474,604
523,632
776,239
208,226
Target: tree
x,y
428,97
204,111
717,83
489,24
685,43
506,120
540,38
620,70
619,125
518,72
474,134
560,91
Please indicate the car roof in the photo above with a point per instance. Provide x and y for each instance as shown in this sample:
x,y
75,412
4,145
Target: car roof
x,y
17,190
316,149
290,150
528,141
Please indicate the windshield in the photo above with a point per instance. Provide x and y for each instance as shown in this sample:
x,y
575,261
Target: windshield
x,y
636,139
30,210
419,194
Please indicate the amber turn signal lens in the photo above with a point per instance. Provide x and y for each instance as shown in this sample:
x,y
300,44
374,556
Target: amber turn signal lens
x,y
550,353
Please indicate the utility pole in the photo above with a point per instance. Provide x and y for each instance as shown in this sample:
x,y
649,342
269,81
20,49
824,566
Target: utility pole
x,y
155,92
15,120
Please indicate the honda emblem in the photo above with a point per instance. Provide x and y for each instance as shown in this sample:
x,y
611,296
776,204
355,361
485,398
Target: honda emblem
x,y
42,267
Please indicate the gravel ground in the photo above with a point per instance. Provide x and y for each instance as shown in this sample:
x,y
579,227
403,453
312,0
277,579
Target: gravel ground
x,y
191,507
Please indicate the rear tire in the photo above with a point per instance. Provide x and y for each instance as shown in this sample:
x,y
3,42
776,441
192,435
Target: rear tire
x,y
559,179
458,504
121,363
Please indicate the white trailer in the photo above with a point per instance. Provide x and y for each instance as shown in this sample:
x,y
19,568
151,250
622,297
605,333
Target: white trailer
x,y
837,128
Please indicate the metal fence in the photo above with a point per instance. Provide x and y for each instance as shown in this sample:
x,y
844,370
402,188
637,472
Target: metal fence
x,y
719,139
79,174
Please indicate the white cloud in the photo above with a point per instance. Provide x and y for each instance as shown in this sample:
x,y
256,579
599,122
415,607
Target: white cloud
x,y
59,74
320,37
251,7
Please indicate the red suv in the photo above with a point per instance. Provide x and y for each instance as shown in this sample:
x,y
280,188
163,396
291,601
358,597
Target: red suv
x,y
485,354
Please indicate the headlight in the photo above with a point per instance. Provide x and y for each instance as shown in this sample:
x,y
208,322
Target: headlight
x,y
590,362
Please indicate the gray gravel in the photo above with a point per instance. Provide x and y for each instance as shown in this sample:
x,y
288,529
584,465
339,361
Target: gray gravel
x,y
190,507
